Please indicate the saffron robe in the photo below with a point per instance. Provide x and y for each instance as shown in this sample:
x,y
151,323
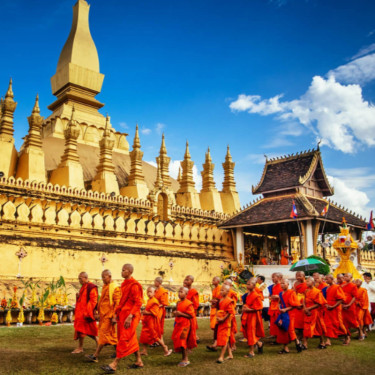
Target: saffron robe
x,y
109,300
162,296
333,318
290,300
150,332
299,315
234,329
320,328
226,306
130,303
284,258
193,296
273,310
362,303
215,296
312,296
184,332
84,321
252,323
349,315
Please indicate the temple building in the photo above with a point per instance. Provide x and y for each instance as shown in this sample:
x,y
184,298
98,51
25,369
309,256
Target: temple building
x,y
76,192
267,227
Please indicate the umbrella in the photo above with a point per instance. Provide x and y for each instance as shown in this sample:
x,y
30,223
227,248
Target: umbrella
x,y
309,265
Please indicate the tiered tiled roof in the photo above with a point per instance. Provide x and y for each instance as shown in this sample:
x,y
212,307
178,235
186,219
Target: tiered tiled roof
x,y
278,209
292,171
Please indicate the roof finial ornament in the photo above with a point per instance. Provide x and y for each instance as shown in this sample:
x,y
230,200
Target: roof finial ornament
x,y
9,93
318,145
36,108
266,157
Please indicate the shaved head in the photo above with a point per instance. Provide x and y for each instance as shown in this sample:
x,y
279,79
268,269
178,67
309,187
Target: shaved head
x,y
190,277
129,267
151,288
228,282
83,278
159,279
225,287
107,272
83,274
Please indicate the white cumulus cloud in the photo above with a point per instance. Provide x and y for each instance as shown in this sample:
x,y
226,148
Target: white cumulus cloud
x,y
336,113
159,127
146,131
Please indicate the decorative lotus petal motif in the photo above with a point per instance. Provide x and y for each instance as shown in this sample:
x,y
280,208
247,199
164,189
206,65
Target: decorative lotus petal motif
x,y
21,253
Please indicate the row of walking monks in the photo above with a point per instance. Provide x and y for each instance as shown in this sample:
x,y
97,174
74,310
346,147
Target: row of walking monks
x,y
313,306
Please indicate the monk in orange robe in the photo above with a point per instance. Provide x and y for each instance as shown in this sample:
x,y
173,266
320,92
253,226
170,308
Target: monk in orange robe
x,y
284,257
184,335
273,310
313,299
288,301
232,294
349,309
193,296
128,315
333,311
150,324
214,302
109,300
251,320
320,328
84,321
300,288
161,295
225,313
363,313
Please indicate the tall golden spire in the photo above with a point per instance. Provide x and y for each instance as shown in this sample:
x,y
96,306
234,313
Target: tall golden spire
x,y
31,165
229,184
71,134
187,182
136,172
208,182
9,106
34,138
162,162
78,79
105,180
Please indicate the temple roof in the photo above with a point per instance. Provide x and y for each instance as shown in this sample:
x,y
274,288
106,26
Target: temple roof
x,y
89,158
292,171
278,209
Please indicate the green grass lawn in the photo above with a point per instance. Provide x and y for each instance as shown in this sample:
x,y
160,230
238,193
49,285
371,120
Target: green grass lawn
x,y
46,351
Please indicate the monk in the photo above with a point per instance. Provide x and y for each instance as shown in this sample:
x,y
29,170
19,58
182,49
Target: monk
x,y
251,320
273,310
232,294
225,313
349,309
109,300
288,301
184,336
363,314
214,302
313,299
84,322
161,295
333,310
284,257
320,328
150,324
300,288
128,315
192,296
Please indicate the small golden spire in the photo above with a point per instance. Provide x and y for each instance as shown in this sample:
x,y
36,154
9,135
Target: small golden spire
x,y
229,183
208,155
163,149
208,183
9,93
187,183
163,164
187,151
136,142
136,171
36,108
179,174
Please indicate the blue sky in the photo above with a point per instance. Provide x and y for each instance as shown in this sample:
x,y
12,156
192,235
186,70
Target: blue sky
x,y
265,77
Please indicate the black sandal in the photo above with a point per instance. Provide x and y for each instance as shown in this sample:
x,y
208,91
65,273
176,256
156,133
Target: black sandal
x,y
320,346
108,369
211,348
134,366
260,348
283,352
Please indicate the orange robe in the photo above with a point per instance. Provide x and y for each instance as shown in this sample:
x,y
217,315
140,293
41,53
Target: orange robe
x,y
193,296
363,313
226,306
290,300
284,258
349,315
150,323
234,329
299,315
273,310
215,295
161,295
264,261
320,328
84,321
184,333
312,296
130,303
252,323
333,318
107,307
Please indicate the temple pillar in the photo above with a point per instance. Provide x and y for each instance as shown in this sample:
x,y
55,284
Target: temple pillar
x,y
309,238
239,249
